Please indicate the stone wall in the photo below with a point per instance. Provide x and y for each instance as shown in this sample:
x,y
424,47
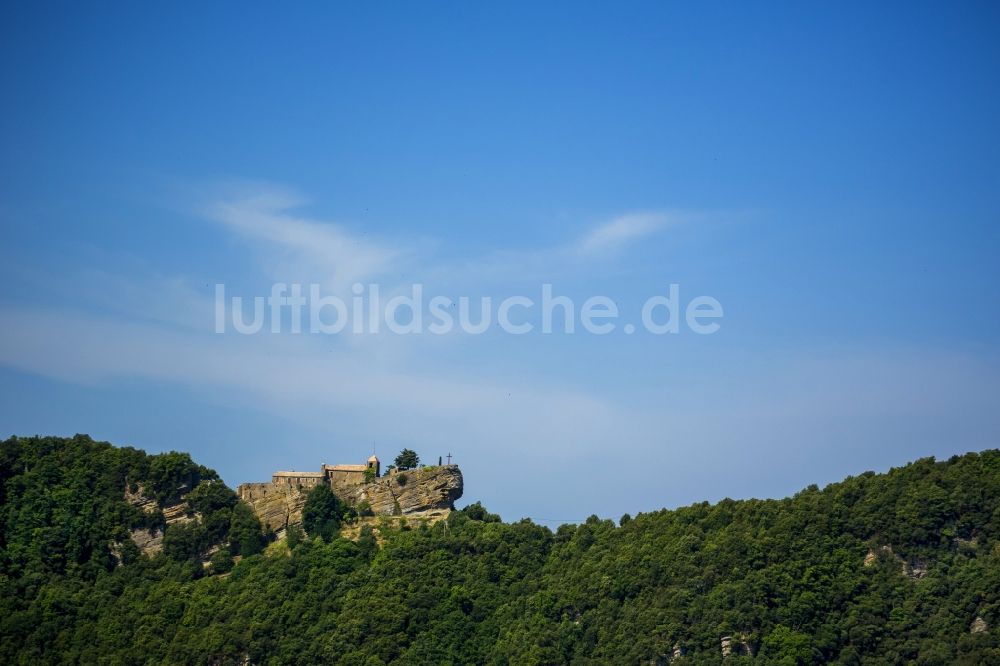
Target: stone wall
x,y
345,484
305,481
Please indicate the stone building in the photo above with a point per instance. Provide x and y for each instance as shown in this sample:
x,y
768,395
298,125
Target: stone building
x,y
342,477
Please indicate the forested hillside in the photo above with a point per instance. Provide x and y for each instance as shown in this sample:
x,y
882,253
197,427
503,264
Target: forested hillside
x,y
880,568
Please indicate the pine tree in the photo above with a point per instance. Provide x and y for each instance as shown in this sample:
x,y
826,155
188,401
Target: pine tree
x,y
407,459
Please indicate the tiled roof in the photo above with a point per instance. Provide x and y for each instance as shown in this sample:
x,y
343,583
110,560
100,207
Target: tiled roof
x,y
346,468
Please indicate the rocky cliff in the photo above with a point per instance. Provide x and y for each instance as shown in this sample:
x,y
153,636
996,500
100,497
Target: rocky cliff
x,y
150,541
276,507
428,492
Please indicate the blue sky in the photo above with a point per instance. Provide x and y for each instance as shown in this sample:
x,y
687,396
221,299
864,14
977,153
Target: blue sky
x,y
828,173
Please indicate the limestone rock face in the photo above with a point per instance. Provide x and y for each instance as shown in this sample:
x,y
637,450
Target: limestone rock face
x,y
150,542
428,489
277,506
426,492
139,500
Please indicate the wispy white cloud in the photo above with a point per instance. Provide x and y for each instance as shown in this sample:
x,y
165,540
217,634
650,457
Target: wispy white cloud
x,y
614,234
160,327
609,239
296,248
300,249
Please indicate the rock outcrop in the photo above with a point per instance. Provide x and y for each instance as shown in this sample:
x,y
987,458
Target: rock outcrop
x,y
424,490
276,506
913,570
916,570
874,554
730,646
150,541
428,492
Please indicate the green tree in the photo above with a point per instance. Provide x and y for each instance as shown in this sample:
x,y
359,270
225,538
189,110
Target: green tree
x,y
478,512
211,496
173,473
788,647
222,561
407,459
183,541
245,537
293,536
321,513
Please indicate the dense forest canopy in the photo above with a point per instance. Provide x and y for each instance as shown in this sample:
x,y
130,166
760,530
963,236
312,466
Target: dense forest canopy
x,y
879,568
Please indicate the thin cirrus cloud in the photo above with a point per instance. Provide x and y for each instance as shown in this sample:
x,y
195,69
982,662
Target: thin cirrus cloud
x,y
300,249
140,340
121,336
297,248
615,234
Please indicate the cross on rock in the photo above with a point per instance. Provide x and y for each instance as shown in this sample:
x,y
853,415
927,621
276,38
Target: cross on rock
x,y
449,458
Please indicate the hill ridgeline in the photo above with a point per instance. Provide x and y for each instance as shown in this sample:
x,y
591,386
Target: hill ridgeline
x,y
110,555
